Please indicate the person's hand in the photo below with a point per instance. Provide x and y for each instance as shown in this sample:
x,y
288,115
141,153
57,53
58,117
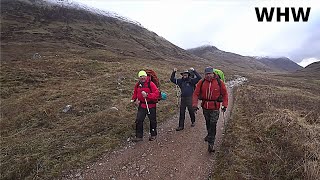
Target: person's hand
x,y
195,109
192,69
175,69
135,102
224,109
144,94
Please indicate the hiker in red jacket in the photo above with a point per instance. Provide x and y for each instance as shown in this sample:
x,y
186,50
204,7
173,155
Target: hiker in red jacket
x,y
212,94
145,95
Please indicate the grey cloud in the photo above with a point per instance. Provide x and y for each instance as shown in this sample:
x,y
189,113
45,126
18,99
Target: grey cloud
x,y
311,46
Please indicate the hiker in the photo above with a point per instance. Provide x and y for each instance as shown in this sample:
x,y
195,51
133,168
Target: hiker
x,y
212,91
220,74
186,84
145,95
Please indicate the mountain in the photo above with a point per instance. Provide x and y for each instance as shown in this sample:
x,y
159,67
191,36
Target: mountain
x,y
312,69
225,60
228,60
35,25
55,28
281,63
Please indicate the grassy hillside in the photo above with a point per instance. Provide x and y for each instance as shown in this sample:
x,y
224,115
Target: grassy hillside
x,y
274,131
312,70
27,28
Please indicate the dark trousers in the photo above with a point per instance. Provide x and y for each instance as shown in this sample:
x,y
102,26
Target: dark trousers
x,y
186,102
141,115
211,117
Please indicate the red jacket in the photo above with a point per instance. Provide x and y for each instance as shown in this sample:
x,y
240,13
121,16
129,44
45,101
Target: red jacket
x,y
210,91
153,93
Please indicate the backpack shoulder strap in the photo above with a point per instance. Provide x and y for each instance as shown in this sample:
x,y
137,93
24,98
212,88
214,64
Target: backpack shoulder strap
x,y
200,91
149,86
137,85
219,83
218,80
201,85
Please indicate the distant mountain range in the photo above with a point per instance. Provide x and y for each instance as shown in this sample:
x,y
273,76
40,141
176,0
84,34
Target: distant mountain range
x,y
224,59
33,26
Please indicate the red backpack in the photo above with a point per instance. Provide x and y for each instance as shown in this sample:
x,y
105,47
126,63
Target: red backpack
x,y
153,77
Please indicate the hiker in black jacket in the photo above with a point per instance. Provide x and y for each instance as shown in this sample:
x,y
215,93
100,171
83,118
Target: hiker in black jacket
x,y
186,84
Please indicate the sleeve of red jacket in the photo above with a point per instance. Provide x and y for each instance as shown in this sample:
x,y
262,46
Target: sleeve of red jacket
x,y
134,96
154,95
196,94
224,94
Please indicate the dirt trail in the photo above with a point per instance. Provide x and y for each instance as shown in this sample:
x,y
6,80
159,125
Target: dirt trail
x,y
174,155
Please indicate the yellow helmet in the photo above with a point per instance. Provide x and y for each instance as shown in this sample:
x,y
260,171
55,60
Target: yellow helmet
x,y
142,73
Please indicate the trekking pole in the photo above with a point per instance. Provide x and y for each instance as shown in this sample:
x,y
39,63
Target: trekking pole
x,y
177,94
177,90
147,105
224,123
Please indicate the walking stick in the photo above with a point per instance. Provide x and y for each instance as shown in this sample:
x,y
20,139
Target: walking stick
x,y
224,124
147,105
177,90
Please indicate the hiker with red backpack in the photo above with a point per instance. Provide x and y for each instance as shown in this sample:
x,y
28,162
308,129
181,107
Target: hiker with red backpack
x,y
146,95
186,84
212,92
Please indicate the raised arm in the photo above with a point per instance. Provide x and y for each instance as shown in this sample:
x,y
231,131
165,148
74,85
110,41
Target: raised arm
x,y
195,80
174,79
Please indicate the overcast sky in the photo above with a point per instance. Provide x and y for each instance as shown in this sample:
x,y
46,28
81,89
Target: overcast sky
x,y
230,25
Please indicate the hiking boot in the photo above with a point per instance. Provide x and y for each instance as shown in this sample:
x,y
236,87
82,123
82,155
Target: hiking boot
x,y
206,138
210,148
192,124
179,128
152,138
137,139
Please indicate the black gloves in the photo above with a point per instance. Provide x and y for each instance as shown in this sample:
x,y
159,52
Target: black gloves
x,y
224,109
195,109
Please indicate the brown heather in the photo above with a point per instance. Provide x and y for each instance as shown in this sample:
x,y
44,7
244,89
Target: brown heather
x,y
274,131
